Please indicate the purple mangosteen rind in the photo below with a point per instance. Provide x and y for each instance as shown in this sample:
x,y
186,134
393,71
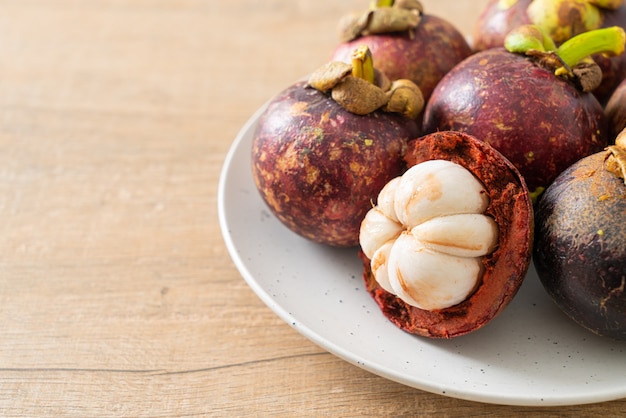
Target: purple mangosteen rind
x,y
541,123
318,166
423,54
579,251
498,18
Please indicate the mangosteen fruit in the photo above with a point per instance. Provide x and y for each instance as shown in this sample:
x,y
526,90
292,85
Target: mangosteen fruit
x,y
561,19
615,109
324,148
496,20
530,101
579,253
405,42
449,242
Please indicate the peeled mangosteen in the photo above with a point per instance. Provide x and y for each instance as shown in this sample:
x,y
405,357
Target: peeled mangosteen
x,y
580,251
449,242
531,102
561,19
405,42
616,109
324,148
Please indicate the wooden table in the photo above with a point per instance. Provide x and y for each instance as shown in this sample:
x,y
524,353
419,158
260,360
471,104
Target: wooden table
x,y
117,294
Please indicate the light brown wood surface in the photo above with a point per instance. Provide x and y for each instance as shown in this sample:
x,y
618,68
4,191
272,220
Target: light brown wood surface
x,y
117,294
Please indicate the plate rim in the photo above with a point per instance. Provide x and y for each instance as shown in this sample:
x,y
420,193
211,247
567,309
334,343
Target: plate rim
x,y
490,397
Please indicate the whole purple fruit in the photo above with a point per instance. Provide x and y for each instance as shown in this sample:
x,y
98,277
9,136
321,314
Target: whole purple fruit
x,y
541,122
563,19
421,49
319,166
579,252
496,20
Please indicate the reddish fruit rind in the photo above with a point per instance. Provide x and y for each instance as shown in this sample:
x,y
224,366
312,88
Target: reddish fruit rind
x,y
504,269
318,167
579,251
541,123
423,55
496,21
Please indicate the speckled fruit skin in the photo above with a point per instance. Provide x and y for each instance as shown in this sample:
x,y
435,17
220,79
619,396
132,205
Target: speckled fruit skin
x,y
319,167
541,123
423,55
496,22
580,250
504,269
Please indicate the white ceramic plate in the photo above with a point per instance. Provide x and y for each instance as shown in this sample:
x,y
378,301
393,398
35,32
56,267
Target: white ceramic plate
x,y
530,355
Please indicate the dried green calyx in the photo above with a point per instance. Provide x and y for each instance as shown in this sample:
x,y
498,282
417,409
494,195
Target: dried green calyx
x,y
616,157
572,58
361,89
384,16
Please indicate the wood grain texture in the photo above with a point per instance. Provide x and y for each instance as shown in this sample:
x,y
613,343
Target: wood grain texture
x,y
117,294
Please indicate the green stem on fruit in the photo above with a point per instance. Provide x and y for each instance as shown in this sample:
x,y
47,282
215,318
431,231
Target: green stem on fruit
x,y
381,3
363,64
609,41
528,38
572,58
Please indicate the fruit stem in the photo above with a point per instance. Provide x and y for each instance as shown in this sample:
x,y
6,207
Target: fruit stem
x,y
381,3
534,41
363,64
528,38
608,41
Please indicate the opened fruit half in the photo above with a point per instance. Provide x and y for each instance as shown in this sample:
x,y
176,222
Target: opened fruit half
x,y
449,242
